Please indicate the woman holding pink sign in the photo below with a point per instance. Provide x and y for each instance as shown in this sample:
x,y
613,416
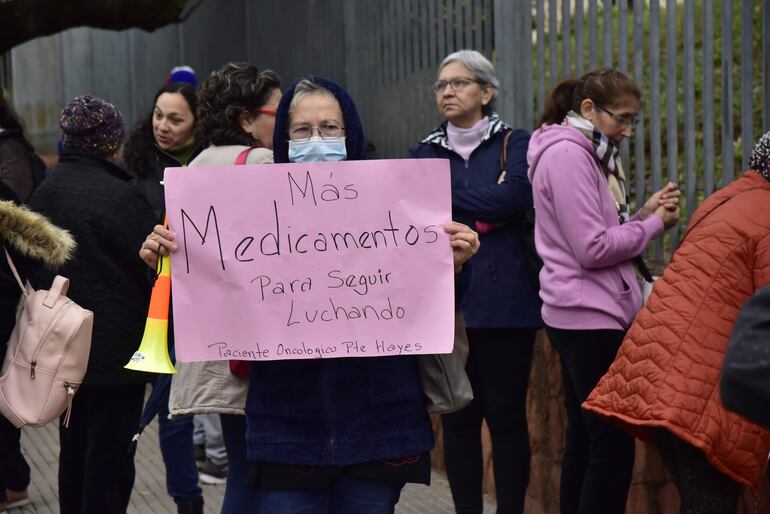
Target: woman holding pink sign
x,y
333,435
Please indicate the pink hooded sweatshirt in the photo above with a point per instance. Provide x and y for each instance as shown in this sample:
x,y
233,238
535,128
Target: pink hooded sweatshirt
x,y
588,280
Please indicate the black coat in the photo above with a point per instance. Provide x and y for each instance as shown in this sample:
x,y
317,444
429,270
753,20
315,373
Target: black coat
x,y
95,200
745,383
149,180
502,294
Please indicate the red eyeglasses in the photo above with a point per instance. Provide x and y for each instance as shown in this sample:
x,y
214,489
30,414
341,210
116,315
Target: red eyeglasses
x,y
269,112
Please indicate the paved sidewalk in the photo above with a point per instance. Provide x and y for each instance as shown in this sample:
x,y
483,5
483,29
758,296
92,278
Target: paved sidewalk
x,y
41,446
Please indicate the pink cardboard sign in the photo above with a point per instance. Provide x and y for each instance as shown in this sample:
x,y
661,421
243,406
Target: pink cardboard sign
x,y
305,261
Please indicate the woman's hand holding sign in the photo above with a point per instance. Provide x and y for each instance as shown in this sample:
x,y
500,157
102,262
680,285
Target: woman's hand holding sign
x,y
464,241
159,242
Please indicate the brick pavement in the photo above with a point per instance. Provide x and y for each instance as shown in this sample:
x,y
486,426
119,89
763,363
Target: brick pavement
x,y
41,446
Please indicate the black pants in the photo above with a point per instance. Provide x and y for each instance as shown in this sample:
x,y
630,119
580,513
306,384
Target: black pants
x,y
14,470
96,469
598,458
703,488
498,368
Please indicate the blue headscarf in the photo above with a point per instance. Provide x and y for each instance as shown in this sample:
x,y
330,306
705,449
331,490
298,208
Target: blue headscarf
x,y
354,132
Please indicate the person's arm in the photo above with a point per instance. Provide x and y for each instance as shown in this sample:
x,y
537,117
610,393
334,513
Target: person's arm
x,y
576,197
506,201
16,170
745,382
137,219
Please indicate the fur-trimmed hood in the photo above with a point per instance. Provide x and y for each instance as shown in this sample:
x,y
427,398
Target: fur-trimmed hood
x,y
32,235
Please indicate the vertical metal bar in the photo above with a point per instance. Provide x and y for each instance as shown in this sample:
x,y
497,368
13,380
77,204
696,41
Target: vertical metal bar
x,y
516,53
607,38
458,26
671,96
467,24
540,22
689,105
426,34
451,42
505,47
566,46
672,160
441,28
727,94
477,41
655,129
416,30
747,81
400,35
552,33
578,37
525,45
639,78
765,66
351,58
593,35
623,63
623,35
489,16
431,21
708,97
387,67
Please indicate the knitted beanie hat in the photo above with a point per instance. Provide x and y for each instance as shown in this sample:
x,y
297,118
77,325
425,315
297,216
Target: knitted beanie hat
x,y
92,126
760,157
183,74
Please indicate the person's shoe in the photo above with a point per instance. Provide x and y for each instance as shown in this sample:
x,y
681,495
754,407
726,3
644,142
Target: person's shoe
x,y
211,473
190,507
16,498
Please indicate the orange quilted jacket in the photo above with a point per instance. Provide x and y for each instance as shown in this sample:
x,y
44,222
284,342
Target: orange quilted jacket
x,y
666,373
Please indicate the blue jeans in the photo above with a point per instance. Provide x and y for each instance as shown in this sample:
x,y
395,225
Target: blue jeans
x,y
345,496
239,497
176,446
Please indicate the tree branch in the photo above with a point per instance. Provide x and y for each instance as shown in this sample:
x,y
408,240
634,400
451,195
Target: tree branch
x,y
22,20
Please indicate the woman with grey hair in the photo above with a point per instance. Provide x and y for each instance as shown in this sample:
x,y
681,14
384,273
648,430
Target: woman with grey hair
x,y
490,192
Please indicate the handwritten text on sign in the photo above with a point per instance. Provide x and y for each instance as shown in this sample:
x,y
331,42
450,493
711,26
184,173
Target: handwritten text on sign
x,y
301,261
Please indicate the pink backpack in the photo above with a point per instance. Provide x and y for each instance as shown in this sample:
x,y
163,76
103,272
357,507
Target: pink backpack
x,y
47,355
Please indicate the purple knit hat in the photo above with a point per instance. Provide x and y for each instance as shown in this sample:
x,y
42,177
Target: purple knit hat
x,y
92,126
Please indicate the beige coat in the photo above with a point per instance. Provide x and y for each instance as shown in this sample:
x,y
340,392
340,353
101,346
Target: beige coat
x,y
209,387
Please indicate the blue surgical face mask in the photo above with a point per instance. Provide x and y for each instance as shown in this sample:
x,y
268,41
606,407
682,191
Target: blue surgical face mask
x,y
317,149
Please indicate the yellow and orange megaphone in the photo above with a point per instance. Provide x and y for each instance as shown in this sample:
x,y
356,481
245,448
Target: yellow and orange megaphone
x,y
152,355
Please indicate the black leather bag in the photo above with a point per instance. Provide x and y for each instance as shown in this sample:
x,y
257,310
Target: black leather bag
x,y
444,380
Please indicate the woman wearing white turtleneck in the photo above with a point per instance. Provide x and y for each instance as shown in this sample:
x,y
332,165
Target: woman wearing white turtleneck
x,y
502,308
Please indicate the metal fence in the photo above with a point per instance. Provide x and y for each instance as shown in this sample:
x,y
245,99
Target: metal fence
x,y
701,65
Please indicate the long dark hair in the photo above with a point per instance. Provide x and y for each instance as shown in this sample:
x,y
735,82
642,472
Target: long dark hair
x,y
139,151
603,86
228,92
9,120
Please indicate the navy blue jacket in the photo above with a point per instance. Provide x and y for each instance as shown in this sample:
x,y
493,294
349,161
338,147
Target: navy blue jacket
x,y
501,294
334,411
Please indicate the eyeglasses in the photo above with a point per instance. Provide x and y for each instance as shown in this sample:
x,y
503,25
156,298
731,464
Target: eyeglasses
x,y
457,83
269,112
327,130
623,121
